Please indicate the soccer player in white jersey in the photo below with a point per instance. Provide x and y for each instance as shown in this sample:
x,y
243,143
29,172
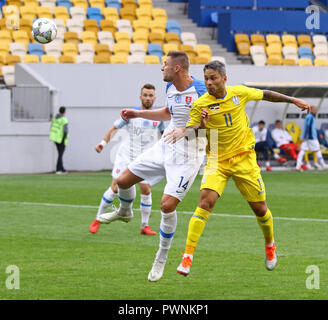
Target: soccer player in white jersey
x,y
142,134
178,163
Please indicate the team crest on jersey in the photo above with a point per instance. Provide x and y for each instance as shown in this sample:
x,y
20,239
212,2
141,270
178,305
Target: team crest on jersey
x,y
214,107
177,98
235,100
155,124
118,170
188,100
146,124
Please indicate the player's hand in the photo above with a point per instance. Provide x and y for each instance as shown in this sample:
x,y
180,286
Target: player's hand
x,y
99,147
303,105
204,117
127,114
174,135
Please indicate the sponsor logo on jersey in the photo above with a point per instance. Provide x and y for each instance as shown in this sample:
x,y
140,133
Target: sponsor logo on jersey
x,y
235,100
215,106
177,98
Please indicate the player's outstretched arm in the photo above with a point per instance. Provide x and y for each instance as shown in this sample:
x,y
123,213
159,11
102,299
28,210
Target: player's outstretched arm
x,y
162,114
274,96
109,134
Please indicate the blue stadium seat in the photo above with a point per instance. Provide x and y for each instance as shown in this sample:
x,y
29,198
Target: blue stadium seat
x,y
305,52
113,4
155,49
173,26
35,48
64,3
95,14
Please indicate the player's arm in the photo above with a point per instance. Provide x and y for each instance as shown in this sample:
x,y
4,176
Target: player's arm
x,y
274,96
109,134
162,114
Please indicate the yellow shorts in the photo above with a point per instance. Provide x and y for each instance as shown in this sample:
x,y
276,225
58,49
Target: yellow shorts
x,y
244,171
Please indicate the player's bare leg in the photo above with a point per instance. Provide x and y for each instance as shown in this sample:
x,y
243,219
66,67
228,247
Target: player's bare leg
x,y
167,230
145,209
265,221
106,201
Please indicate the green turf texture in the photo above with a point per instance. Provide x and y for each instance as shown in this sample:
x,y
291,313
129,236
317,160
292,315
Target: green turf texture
x,y
59,259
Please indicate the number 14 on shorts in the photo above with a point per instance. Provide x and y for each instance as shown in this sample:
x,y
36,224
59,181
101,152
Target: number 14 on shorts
x,y
182,184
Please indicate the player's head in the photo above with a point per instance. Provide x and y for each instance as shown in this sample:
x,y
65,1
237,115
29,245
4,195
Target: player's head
x,y
261,124
278,124
215,77
314,110
62,110
176,62
147,96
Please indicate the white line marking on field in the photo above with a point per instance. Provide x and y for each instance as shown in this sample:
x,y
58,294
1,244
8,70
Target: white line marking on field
x,y
154,210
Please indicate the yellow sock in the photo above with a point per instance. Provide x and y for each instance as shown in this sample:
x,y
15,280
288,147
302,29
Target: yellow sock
x,y
266,224
196,228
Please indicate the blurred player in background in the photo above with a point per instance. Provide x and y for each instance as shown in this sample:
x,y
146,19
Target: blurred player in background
x,y
309,139
59,135
142,135
230,154
179,164
262,146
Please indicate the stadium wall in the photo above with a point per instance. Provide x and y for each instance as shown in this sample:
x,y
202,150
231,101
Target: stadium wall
x,y
94,95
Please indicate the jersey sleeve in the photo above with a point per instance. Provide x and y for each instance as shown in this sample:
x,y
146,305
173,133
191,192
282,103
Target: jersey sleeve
x,y
194,116
251,93
200,87
120,123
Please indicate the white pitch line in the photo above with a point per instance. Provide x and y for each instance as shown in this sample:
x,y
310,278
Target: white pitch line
x,y
154,210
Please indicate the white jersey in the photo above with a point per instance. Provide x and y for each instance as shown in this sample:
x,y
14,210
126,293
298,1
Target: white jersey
x,y
141,135
259,135
281,136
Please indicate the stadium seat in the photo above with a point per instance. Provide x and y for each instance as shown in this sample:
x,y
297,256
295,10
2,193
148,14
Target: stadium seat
x,y
119,59
173,26
31,58
90,25
258,40
5,36
143,13
123,25
8,75
273,39
4,48
289,40
202,60
61,26
155,49
140,37
321,51
141,25
122,37
78,13
149,59
97,4
189,50
26,25
28,12
53,49
219,58
159,14
67,59
106,37
128,14
82,4
86,59
289,62
158,26
64,3
44,12
147,4
204,50
163,59
74,25
113,4
295,131
319,39
18,49
304,40
71,37
167,47
155,37
258,55
274,51
137,49
48,3
89,37
121,49
17,3
12,59
21,36
102,49
108,25
242,44
320,62
35,49
305,62
61,13
189,38
34,3
136,59
171,37
305,52
130,4
274,61
86,49
110,14
48,59
95,13
69,49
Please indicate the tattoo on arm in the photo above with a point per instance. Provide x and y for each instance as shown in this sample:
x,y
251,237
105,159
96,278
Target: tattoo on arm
x,y
274,96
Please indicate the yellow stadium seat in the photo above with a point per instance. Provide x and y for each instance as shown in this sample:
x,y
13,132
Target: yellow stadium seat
x,y
288,62
4,48
172,37
152,59
158,26
17,3
108,25
89,37
122,37
31,3
81,3
204,50
274,50
102,50
167,47
273,39
101,59
21,36
304,40
242,43
320,62
295,131
90,25
202,60
31,58
189,50
129,4
159,14
274,61
97,3
5,36
110,14
121,48
143,13
3,24
61,13
119,59
48,59
140,37
66,59
289,40
304,62
156,38
12,59
128,14
44,12
70,49
147,4
141,25
258,40
71,37
28,12
9,10
26,25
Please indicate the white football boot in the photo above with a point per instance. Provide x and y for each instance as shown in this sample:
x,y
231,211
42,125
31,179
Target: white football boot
x,y
156,271
116,214
184,266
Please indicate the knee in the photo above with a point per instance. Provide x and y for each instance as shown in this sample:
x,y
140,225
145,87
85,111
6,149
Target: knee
x,y
168,205
122,182
206,204
260,210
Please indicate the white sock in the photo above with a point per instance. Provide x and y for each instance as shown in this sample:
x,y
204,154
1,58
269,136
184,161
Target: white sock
x,y
106,200
126,197
300,159
276,156
320,158
267,163
167,229
145,209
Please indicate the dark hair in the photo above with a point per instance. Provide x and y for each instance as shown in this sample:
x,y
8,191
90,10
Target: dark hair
x,y
181,57
277,121
148,86
216,65
62,110
261,122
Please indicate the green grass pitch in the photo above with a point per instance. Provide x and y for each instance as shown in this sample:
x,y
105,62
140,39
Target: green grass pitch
x,y
49,240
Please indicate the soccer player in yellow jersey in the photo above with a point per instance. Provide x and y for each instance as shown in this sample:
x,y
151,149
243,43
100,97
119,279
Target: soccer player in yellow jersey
x,y
230,153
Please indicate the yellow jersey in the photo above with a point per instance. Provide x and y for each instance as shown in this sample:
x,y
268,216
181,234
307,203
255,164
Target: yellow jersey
x,y
227,115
